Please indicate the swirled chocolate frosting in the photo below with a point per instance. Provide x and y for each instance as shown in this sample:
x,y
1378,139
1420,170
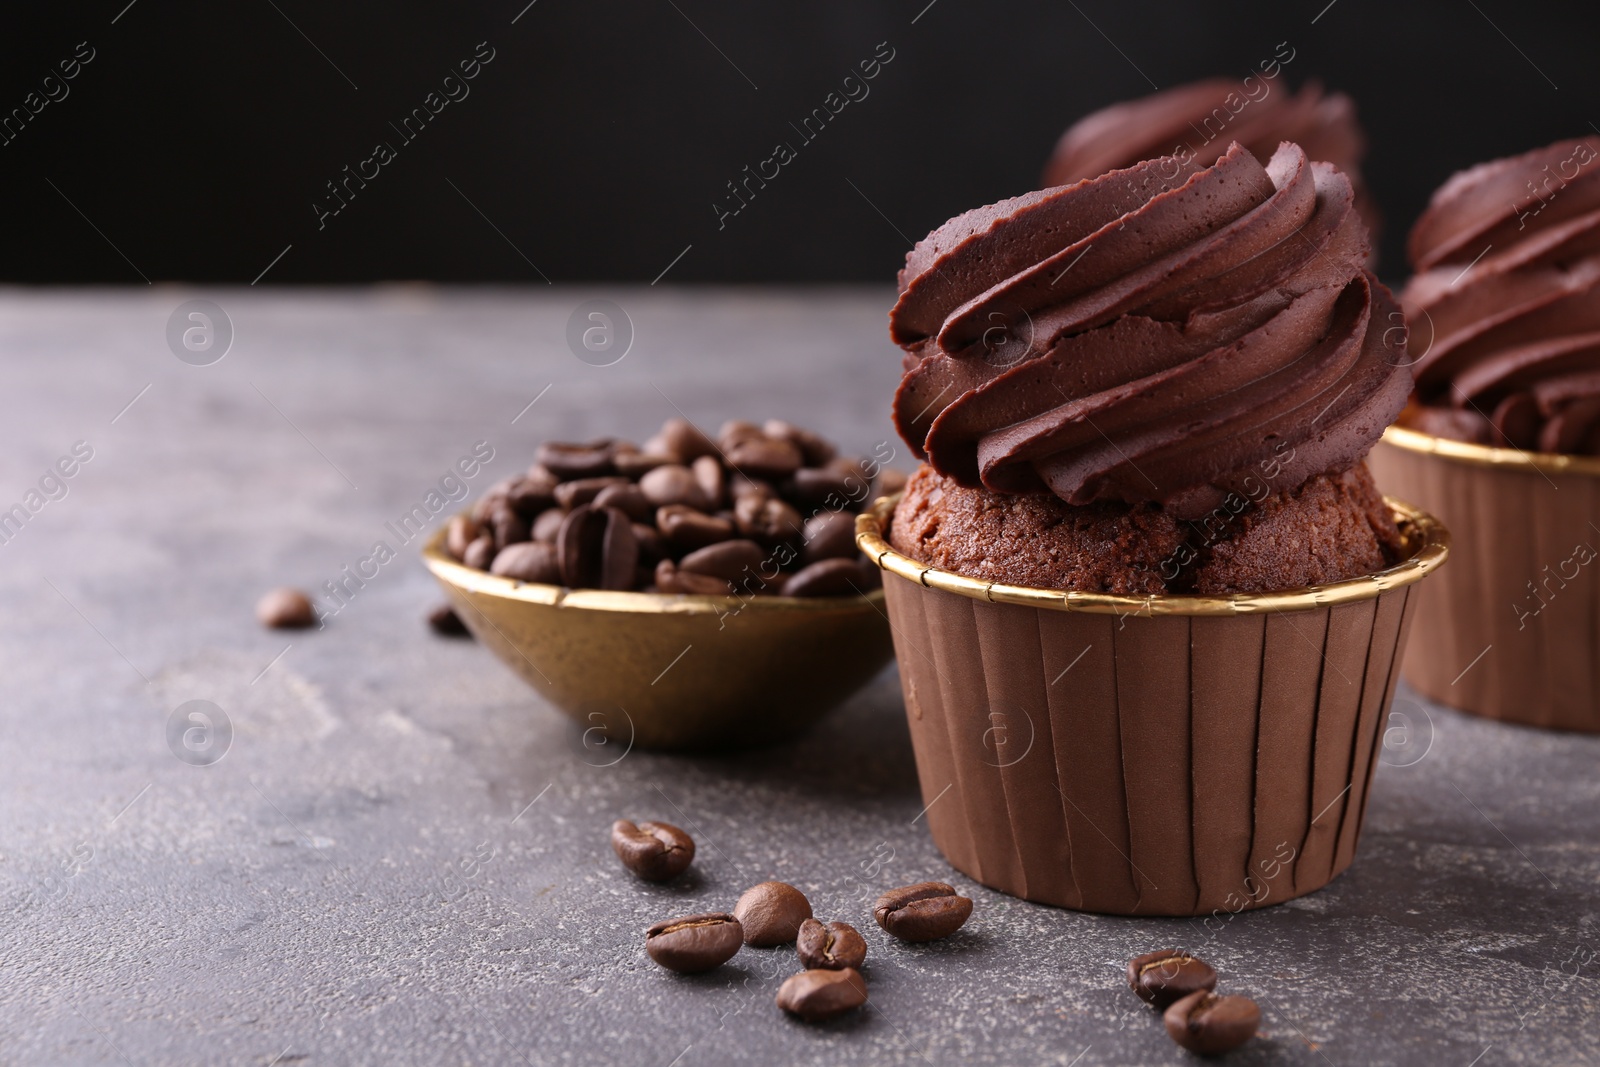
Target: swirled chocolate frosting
x,y
1203,117
1167,333
1504,309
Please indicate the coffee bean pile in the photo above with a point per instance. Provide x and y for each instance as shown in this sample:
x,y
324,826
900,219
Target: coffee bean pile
x,y
776,913
1183,987
762,510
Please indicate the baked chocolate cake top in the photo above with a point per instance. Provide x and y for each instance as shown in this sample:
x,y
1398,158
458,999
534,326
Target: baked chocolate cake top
x,y
1167,333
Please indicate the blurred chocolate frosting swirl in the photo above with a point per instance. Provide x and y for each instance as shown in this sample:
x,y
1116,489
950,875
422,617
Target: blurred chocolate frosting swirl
x,y
1169,333
1203,117
1504,308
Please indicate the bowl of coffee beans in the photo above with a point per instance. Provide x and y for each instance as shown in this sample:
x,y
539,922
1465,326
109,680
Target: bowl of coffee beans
x,y
688,593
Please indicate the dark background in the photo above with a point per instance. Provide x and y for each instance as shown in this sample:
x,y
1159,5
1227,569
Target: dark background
x,y
194,144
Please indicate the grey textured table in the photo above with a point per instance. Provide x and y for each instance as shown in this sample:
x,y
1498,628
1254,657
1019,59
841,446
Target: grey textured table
x,y
402,857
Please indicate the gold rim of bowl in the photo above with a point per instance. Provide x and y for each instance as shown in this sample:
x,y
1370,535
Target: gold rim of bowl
x,y
483,583
1489,456
1424,535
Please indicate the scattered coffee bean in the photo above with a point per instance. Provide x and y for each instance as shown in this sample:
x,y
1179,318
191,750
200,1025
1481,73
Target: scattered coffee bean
x,y
687,529
447,623
828,577
1209,1025
727,560
286,609
462,531
926,911
694,943
548,524
772,913
655,851
598,550
570,461
528,561
669,579
479,554
817,995
832,947
829,535
1160,978
777,490
583,490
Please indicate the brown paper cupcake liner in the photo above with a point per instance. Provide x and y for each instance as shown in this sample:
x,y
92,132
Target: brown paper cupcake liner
x,y
1511,630
1166,755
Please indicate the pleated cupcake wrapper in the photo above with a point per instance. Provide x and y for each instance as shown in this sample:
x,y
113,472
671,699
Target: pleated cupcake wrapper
x,y
1148,763
1486,642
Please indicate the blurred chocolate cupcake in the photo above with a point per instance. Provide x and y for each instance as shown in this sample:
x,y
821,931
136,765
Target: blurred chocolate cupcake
x,y
1503,437
1143,581
1202,118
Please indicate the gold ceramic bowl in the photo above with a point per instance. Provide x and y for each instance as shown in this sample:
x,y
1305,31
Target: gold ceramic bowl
x,y
669,671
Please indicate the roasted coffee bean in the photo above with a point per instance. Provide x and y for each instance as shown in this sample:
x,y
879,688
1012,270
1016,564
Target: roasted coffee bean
x,y
829,577
444,621
815,450
632,463
684,440
926,911
569,461
817,995
674,484
1209,1025
598,550
771,913
669,579
687,529
655,851
1160,978
764,457
628,500
507,526
831,948
286,609
888,483
741,486
736,432
708,473
582,491
651,548
493,497
812,489
528,561
768,519
694,943
480,553
462,531
548,525
533,492
829,535
728,560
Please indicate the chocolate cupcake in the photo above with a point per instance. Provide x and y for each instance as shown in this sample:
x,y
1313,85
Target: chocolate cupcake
x,y
1146,600
1503,437
1200,120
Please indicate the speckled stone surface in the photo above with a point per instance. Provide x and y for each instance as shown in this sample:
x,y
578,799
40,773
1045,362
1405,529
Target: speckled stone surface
x,y
402,858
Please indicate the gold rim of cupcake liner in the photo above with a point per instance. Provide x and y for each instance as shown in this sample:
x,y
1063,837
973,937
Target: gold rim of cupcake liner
x,y
1423,534
1488,455
474,581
